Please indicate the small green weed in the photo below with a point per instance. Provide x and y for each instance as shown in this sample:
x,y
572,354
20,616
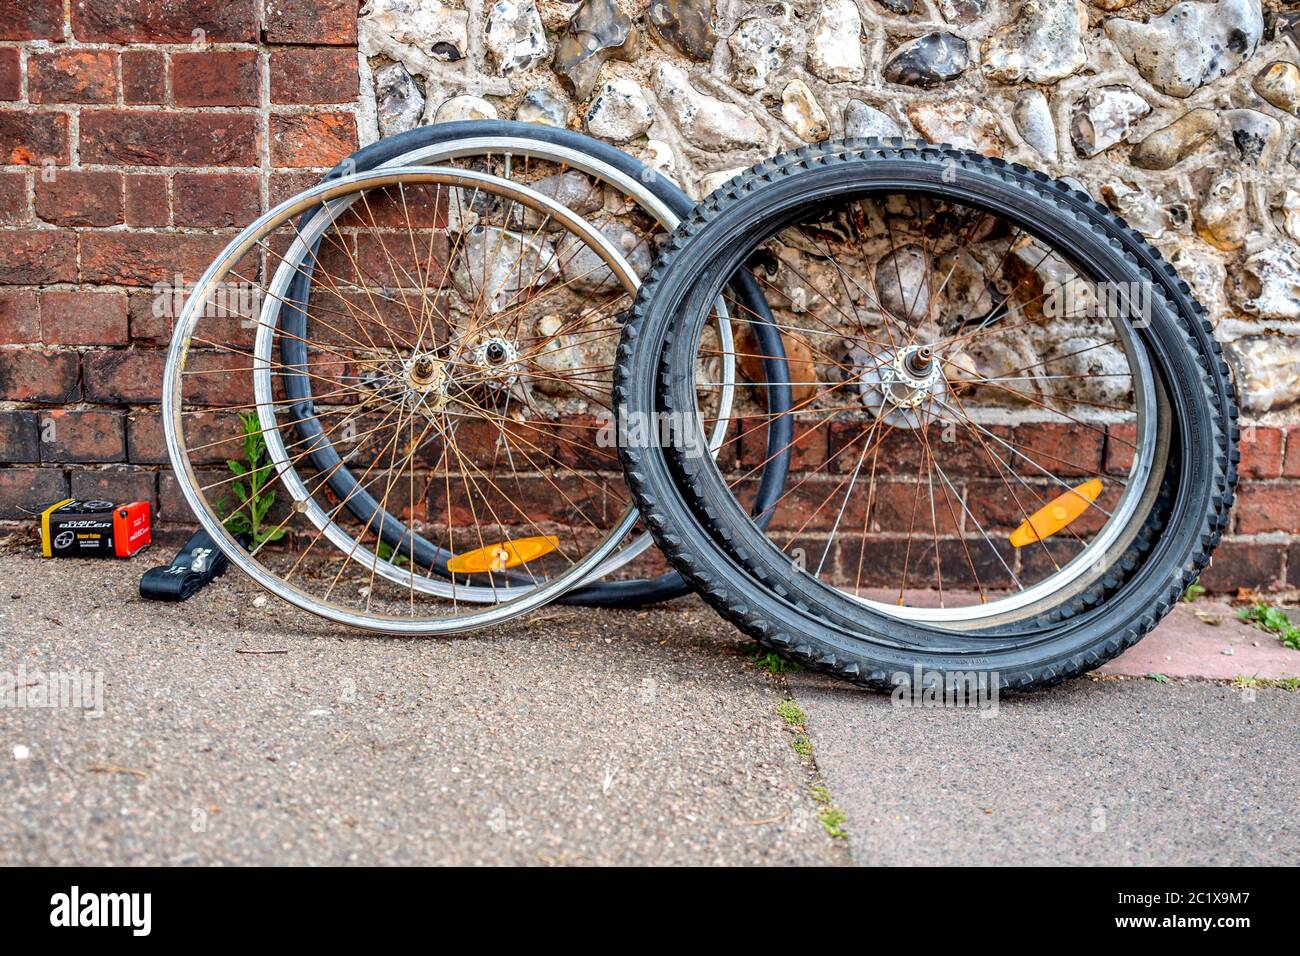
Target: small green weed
x,y
1274,620
832,821
1242,681
254,499
772,662
791,713
386,553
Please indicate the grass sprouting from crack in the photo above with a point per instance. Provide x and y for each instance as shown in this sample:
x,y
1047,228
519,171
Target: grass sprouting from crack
x,y
770,661
832,819
1243,681
791,713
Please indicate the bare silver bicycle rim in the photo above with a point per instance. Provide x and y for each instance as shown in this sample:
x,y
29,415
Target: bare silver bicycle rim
x,y
304,506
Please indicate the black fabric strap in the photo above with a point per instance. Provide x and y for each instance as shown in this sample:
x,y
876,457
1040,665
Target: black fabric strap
x,y
196,565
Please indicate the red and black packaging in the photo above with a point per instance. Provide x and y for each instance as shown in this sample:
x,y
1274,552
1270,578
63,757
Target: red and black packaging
x,y
94,529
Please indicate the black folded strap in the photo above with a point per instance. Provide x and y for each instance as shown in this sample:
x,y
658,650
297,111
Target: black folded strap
x,y
197,564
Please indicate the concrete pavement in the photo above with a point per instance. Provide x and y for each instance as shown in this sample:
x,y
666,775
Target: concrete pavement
x,y
568,738
237,734
1094,772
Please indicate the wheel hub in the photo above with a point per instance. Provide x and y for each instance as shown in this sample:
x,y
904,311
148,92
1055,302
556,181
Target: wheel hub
x,y
496,360
904,387
424,378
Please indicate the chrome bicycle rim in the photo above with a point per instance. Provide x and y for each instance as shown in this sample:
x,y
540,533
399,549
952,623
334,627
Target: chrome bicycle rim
x,y
419,619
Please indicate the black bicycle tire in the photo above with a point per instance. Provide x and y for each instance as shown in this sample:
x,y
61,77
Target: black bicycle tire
x,y
619,593
697,533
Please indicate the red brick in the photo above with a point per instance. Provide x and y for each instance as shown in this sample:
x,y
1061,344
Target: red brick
x,y
145,258
145,444
148,317
72,76
215,78
19,436
25,491
1261,452
20,317
1244,564
282,186
809,505
28,137
314,75
28,375
1268,507
1061,449
146,200
127,376
961,451
311,21
82,435
150,138
807,449
1120,439
212,438
216,199
170,499
1291,463
83,318
880,563
119,485
312,139
13,199
31,19
37,256
567,500
144,77
80,198
219,379
172,507
164,21
1001,506
11,77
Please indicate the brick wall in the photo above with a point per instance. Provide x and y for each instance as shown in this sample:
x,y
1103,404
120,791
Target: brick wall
x,y
135,137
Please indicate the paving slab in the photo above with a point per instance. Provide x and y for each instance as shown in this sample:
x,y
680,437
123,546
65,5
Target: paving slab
x,y
1093,772
1205,640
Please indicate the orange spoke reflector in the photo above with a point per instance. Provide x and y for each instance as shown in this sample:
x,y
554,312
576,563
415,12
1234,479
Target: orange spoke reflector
x,y
1056,514
502,555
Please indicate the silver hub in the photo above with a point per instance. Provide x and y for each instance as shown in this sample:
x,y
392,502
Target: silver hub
x,y
905,388
497,361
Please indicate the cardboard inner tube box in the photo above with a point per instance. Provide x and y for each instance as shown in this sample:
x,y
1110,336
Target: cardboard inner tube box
x,y
94,529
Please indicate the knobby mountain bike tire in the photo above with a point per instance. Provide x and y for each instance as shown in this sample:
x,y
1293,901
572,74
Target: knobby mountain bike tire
x,y
1178,394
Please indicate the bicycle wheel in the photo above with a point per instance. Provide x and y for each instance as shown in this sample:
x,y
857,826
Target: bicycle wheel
x,y
458,343
1012,454
582,170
